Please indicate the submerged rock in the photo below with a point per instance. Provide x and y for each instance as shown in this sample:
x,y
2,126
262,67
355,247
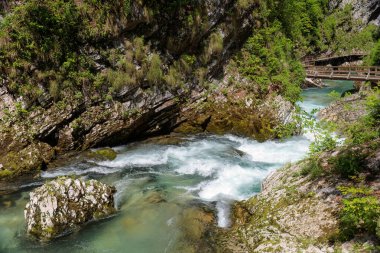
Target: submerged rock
x,y
60,206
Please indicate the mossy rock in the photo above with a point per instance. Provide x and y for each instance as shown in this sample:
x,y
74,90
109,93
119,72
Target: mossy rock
x,y
29,161
103,154
231,118
188,128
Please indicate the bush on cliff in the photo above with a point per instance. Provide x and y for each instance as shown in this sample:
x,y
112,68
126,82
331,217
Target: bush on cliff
x,y
360,213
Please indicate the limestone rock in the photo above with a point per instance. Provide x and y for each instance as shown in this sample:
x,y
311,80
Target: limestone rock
x,y
289,215
347,110
62,205
366,10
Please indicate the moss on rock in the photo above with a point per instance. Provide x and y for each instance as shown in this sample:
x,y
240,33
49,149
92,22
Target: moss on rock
x,y
103,154
61,205
28,161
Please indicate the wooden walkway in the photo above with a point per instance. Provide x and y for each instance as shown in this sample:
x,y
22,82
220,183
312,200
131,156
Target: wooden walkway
x,y
334,60
354,73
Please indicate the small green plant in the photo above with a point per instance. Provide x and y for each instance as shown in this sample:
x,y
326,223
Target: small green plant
x,y
20,110
334,94
355,191
5,173
312,167
214,47
155,74
173,78
54,90
324,142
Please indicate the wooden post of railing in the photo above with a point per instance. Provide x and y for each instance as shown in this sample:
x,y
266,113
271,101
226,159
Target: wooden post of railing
x,y
369,72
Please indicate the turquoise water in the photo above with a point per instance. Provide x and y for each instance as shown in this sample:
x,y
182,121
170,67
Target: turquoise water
x,y
166,189
316,98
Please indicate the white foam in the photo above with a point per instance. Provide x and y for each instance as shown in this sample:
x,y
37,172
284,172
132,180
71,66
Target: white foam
x,y
277,152
232,183
223,208
74,170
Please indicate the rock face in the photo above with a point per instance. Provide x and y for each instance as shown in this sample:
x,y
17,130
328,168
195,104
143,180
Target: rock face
x,y
346,110
136,111
60,206
291,214
367,10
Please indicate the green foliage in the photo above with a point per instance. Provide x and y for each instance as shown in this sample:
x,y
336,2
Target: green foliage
x,y
368,127
214,46
373,106
312,167
268,60
344,34
322,131
119,79
45,32
359,214
173,78
300,20
127,7
374,57
20,110
243,4
5,173
354,191
54,90
348,163
155,73
323,143
334,94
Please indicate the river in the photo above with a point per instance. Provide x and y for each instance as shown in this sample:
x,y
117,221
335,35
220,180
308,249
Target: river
x,y
164,186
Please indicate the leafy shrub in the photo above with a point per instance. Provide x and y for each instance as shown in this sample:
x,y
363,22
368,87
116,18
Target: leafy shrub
x,y
323,143
343,34
374,57
268,60
359,214
368,127
348,163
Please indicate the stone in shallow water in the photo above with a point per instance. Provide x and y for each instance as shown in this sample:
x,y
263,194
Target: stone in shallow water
x,y
60,206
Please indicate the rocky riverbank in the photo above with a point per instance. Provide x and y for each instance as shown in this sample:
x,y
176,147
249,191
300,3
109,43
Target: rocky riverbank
x,y
43,123
301,206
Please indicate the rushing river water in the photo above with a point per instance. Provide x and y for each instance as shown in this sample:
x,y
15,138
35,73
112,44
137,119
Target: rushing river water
x,y
164,186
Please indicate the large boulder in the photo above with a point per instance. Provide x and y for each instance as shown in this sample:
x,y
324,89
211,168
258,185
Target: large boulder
x,y
62,205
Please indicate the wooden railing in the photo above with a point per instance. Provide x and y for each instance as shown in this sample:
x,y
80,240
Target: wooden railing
x,y
355,73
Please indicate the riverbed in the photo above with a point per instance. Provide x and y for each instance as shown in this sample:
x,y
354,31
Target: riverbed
x,y
165,187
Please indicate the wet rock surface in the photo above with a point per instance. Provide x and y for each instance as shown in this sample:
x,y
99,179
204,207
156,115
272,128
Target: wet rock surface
x,y
63,205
